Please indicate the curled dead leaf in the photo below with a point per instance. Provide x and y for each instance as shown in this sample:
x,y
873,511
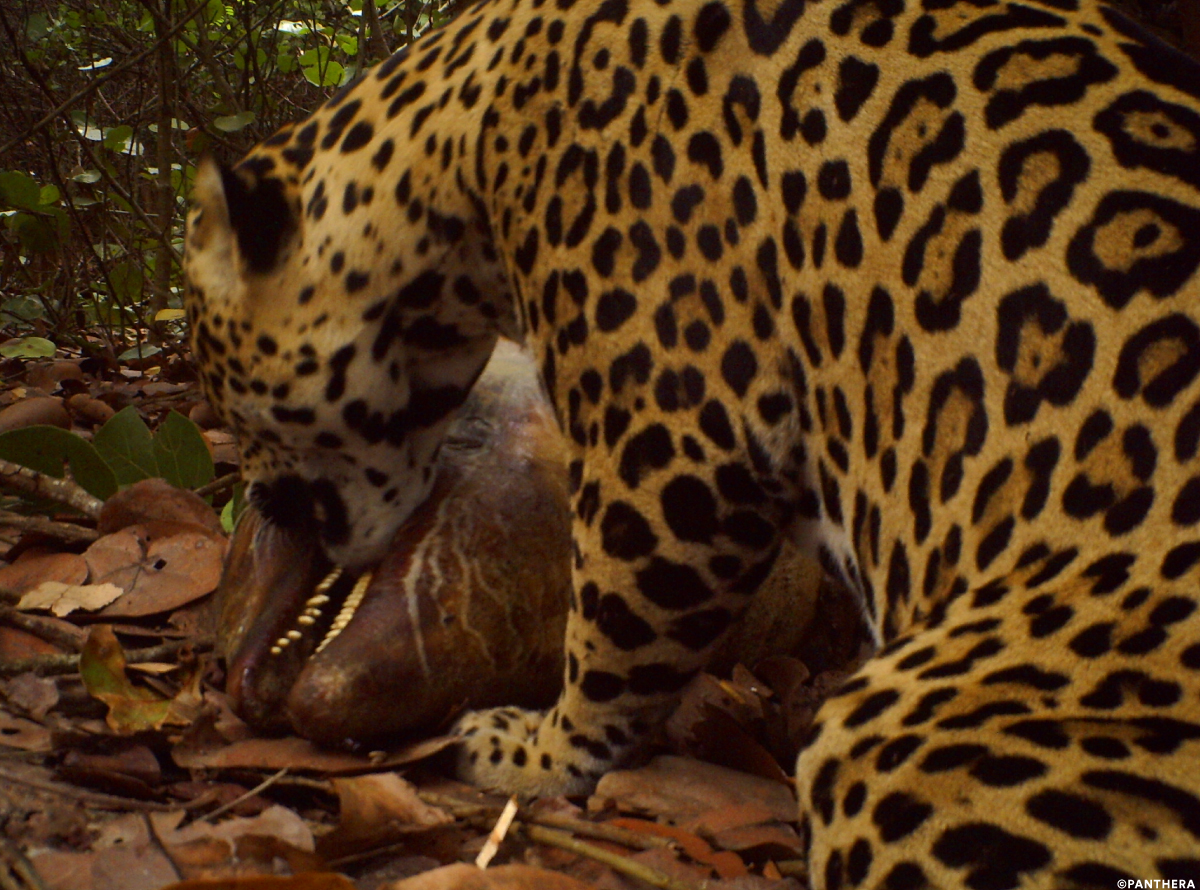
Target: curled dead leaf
x,y
158,566
63,599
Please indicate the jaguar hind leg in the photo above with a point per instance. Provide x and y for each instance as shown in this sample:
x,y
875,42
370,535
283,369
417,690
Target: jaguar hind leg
x,y
974,754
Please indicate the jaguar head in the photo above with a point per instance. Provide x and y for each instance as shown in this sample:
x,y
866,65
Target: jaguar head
x,y
337,346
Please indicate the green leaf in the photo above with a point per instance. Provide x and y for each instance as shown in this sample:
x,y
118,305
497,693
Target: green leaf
x,y
126,445
87,177
232,511
135,353
19,190
38,234
37,26
182,454
334,74
23,307
118,138
102,669
234,122
28,347
177,452
48,449
49,194
127,281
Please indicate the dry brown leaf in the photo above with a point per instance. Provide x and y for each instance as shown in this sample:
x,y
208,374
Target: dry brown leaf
x,y
33,569
62,599
154,501
34,411
504,877
136,761
26,735
313,881
91,411
276,821
157,573
683,788
367,800
377,810
124,857
777,840
30,694
20,644
296,754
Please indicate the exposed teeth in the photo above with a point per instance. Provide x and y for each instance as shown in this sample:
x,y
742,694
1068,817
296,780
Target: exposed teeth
x,y
326,582
348,609
314,604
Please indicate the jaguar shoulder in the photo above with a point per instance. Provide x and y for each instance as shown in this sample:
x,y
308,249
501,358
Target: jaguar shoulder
x,y
912,282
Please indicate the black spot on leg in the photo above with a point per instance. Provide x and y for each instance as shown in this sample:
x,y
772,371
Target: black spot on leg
x,y
625,533
671,585
690,509
651,449
994,857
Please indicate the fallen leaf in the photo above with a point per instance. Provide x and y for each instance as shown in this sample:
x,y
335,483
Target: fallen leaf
x,y
723,862
33,568
130,708
778,840
19,644
34,411
375,810
31,694
297,754
17,732
63,599
504,877
681,788
315,881
278,822
156,500
158,573
124,857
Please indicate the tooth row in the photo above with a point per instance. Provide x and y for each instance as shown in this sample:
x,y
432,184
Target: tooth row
x,y
312,610
348,609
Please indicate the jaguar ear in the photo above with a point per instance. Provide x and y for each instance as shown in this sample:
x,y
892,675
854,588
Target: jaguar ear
x,y
255,211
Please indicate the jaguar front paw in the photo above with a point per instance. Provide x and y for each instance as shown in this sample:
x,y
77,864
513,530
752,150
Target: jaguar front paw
x,y
505,750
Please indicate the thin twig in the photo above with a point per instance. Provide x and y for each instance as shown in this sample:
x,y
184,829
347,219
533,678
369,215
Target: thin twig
x,y
552,837
63,531
257,789
87,798
62,491
57,665
19,867
600,831
485,814
219,484
60,633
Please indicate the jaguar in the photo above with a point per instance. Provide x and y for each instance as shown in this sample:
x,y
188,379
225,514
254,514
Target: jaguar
x,y
910,282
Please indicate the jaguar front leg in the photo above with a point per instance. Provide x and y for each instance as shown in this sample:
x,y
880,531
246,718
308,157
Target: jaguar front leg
x,y
659,578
